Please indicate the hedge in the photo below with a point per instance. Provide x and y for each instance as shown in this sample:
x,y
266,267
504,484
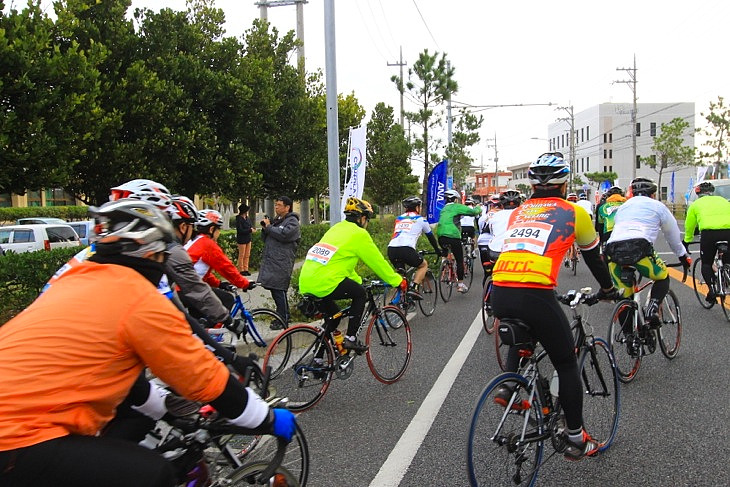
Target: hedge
x,y
69,213
24,275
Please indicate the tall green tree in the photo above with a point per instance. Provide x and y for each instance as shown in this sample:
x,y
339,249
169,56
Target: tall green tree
x,y
669,149
434,86
388,175
718,133
464,137
49,101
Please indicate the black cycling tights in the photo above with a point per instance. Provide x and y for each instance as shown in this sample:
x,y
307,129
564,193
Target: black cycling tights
x,y
84,461
541,311
458,252
347,289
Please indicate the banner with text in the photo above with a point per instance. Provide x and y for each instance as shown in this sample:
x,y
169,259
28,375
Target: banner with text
x,y
436,187
356,165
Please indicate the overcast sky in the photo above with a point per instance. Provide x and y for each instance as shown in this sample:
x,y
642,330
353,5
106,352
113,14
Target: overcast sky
x,y
520,52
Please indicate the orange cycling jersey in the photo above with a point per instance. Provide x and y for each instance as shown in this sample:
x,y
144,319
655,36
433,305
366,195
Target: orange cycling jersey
x,y
539,233
70,358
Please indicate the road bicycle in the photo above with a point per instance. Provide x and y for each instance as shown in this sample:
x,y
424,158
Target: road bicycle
x,y
505,443
429,290
448,276
305,358
631,337
206,450
247,323
721,284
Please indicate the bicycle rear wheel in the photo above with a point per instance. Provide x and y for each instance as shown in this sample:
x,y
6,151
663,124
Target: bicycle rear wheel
x,y
389,344
724,290
602,398
295,374
249,474
429,292
468,272
670,333
624,341
446,284
488,319
574,265
502,444
501,348
697,282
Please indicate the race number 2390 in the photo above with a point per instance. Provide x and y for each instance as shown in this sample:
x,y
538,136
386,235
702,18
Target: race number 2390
x,y
530,236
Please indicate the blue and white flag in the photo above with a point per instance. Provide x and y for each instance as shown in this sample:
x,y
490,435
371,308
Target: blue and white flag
x,y
356,164
436,186
671,189
689,190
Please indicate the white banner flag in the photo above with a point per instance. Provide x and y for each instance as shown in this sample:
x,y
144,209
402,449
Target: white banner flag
x,y
701,173
356,164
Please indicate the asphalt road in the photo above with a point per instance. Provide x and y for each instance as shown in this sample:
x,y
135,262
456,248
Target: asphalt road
x,y
672,430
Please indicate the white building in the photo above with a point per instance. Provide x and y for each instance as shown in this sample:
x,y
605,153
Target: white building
x,y
603,142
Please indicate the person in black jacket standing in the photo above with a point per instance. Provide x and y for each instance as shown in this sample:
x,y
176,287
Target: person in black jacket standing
x,y
244,229
281,237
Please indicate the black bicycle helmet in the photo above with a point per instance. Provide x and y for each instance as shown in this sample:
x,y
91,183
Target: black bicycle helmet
x,y
510,199
614,190
643,187
412,202
704,188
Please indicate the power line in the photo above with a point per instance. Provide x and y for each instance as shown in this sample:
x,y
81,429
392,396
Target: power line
x,y
372,40
425,24
377,27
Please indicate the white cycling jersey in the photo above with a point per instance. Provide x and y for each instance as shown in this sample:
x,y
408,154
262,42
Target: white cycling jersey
x,y
643,217
586,205
408,227
498,228
485,235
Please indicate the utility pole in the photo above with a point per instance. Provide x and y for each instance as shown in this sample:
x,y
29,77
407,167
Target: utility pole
x,y
496,161
400,63
571,120
632,82
333,150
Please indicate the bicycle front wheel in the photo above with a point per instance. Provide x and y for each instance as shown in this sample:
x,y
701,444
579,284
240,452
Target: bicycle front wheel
x,y
446,284
302,362
624,340
670,332
233,451
429,292
602,398
574,265
389,344
263,320
488,319
699,284
724,289
503,443
501,349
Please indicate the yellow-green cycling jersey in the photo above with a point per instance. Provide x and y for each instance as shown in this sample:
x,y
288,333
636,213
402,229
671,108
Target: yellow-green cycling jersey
x,y
707,213
334,257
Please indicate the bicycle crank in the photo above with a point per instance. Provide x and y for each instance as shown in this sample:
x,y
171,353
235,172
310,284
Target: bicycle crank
x,y
344,365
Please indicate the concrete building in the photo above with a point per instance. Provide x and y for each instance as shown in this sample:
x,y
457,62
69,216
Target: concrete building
x,y
603,143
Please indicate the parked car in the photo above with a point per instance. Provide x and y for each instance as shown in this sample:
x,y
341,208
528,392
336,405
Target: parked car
x,y
722,188
34,220
38,236
85,230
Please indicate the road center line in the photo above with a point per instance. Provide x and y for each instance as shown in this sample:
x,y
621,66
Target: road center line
x,y
400,458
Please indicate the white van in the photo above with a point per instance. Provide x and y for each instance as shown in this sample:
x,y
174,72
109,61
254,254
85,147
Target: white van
x,y
722,188
45,236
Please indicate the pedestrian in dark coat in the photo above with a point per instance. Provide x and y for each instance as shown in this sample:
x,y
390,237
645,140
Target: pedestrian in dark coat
x,y
244,229
281,237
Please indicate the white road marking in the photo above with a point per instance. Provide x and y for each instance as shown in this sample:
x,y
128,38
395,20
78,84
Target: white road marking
x,y
400,458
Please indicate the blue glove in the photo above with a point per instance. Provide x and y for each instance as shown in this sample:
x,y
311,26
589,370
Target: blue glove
x,y
284,424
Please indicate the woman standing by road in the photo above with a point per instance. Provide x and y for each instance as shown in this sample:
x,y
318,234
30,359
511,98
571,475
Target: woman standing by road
x,y
244,229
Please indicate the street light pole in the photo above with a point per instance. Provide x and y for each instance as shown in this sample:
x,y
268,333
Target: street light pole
x,y
571,120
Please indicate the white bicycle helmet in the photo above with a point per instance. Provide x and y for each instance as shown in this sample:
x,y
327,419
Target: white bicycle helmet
x,y
208,217
550,169
451,195
144,190
183,209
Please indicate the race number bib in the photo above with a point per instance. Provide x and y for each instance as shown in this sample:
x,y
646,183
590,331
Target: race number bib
x,y
321,253
530,236
403,226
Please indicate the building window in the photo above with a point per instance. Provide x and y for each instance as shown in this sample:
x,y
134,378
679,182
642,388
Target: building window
x,y
5,200
605,138
652,129
588,137
58,197
588,163
34,198
605,168
610,168
581,135
638,162
610,153
664,193
604,153
638,129
610,137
